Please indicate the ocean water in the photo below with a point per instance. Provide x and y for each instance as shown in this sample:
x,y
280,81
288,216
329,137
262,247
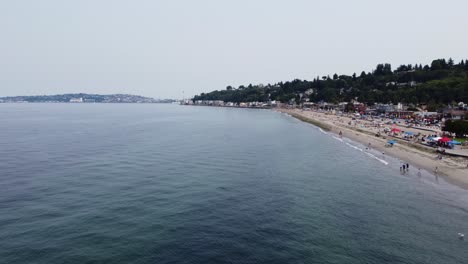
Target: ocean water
x,y
147,183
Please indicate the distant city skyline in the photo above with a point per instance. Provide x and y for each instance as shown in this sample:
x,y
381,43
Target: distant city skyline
x,y
176,49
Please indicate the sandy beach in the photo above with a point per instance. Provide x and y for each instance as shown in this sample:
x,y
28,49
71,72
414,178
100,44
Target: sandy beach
x,y
454,169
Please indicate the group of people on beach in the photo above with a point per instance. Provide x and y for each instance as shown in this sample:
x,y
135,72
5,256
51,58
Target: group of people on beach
x,y
404,168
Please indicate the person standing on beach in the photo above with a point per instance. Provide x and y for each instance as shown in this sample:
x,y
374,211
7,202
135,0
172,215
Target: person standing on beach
x,y
341,134
407,166
419,172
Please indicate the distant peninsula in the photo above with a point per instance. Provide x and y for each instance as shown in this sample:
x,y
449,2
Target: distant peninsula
x,y
83,98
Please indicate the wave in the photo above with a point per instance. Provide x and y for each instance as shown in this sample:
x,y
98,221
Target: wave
x,y
321,130
337,138
351,145
369,154
354,147
375,157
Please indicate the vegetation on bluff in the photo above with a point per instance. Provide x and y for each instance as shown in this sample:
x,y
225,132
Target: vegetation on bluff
x,y
442,82
459,127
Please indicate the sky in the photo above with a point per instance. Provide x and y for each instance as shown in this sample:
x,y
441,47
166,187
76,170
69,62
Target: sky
x,y
176,49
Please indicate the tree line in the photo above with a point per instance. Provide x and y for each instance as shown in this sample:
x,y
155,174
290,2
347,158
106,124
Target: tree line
x,y
441,82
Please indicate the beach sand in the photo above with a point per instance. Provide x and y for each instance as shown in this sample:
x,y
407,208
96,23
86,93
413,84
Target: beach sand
x,y
454,170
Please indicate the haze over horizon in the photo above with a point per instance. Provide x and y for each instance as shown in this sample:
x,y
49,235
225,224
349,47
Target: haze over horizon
x,y
171,49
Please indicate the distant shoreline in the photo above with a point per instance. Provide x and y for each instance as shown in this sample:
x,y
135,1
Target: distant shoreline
x,y
83,98
86,103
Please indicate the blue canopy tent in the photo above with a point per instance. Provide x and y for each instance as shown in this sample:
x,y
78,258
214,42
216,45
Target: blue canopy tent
x,y
454,142
409,133
391,142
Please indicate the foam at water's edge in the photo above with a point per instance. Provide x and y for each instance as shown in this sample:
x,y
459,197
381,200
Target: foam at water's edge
x,y
370,154
321,130
354,147
373,156
350,145
337,138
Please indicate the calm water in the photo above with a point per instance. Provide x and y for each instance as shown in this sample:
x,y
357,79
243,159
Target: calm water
x,y
104,183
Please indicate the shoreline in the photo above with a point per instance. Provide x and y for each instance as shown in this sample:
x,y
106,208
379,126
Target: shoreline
x,y
453,170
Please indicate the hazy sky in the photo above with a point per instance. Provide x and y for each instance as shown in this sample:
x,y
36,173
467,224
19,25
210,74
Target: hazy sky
x,y
161,48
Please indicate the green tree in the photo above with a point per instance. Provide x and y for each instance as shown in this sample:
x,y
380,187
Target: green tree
x,y
450,63
459,127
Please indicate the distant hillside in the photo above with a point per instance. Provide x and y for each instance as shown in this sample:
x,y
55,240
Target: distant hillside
x,y
84,98
439,83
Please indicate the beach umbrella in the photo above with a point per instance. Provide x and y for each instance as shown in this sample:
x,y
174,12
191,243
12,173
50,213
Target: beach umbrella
x,y
409,133
396,129
454,142
444,139
391,142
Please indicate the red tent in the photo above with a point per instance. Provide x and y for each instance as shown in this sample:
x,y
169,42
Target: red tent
x,y
396,129
444,139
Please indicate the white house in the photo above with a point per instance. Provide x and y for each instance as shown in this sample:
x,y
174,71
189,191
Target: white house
x,y
76,100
